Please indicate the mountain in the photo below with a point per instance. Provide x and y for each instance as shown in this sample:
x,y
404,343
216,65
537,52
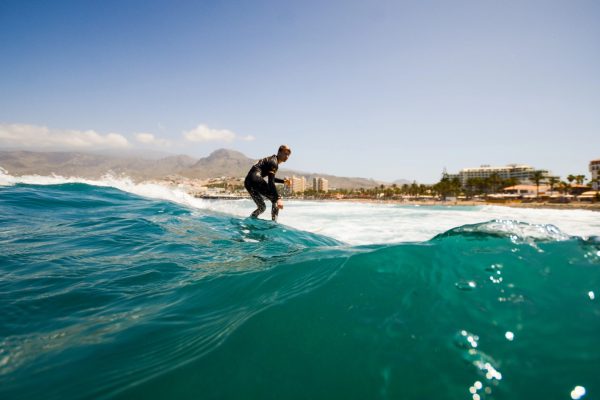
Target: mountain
x,y
85,165
219,163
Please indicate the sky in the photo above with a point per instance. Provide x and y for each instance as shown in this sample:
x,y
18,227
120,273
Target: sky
x,y
375,89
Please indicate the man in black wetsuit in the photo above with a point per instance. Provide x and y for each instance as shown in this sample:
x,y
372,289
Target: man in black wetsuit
x,y
257,187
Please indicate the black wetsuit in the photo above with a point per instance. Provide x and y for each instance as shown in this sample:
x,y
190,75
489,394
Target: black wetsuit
x,y
257,187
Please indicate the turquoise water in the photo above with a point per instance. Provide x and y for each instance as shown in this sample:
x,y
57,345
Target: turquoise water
x,y
104,294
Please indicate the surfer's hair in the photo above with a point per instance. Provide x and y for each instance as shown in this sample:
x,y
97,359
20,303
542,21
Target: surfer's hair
x,y
284,147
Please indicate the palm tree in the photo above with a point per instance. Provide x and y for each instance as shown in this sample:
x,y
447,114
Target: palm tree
x,y
579,179
494,181
537,177
482,185
414,189
564,187
456,186
553,180
471,185
512,181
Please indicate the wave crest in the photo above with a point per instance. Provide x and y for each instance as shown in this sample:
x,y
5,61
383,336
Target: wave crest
x,y
516,231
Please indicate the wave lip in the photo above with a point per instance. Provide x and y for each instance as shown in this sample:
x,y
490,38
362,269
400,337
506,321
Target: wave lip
x,y
516,231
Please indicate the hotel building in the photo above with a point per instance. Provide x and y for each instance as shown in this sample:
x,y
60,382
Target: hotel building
x,y
521,172
298,184
595,171
320,185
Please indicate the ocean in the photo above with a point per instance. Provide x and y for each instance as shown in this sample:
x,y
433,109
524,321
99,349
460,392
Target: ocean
x,y
116,290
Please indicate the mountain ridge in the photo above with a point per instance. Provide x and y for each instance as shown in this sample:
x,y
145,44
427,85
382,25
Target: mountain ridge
x,y
221,162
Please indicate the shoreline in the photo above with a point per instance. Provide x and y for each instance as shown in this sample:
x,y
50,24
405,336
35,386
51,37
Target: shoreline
x,y
470,203
462,203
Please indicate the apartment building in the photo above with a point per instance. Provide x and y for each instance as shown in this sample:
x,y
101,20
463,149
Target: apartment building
x,y
521,172
298,184
320,185
595,171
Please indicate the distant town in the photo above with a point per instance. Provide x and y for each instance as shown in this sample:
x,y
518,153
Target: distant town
x,y
505,184
221,175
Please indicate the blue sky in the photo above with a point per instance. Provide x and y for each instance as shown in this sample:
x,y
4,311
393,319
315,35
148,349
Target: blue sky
x,y
381,89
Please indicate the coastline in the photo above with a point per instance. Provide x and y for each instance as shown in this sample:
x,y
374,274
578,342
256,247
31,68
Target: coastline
x,y
470,203
462,203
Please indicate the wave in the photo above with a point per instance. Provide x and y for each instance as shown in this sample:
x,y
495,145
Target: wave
x,y
109,295
123,183
353,223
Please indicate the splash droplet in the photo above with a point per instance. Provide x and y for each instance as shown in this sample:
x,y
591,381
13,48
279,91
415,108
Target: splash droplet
x,y
466,340
591,295
578,392
466,285
509,336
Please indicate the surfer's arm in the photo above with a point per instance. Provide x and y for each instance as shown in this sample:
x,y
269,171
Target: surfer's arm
x,y
272,187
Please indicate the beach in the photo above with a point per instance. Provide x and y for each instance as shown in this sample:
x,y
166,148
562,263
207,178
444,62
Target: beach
x,y
575,205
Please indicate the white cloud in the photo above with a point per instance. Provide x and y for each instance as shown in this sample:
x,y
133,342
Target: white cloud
x,y
203,133
148,138
35,136
248,138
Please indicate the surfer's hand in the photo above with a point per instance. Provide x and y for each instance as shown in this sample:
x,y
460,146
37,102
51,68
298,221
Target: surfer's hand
x,y
280,204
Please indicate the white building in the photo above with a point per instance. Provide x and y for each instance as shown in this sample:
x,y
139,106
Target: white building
x,y
298,184
521,172
527,190
595,171
320,185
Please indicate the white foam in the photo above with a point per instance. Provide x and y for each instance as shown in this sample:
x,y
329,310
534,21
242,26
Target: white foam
x,y
353,223
359,223
145,189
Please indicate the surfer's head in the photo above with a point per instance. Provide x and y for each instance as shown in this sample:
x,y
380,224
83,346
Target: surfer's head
x,y
283,153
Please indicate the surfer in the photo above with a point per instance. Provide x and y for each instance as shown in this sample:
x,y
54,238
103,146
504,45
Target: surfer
x,y
257,187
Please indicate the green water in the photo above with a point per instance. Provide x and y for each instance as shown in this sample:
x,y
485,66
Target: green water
x,y
108,295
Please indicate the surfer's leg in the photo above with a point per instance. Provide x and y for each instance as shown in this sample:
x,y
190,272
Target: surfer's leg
x,y
260,203
252,185
274,210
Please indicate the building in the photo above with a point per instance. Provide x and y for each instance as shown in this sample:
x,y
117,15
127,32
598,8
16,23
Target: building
x,y
320,185
595,171
521,172
527,190
298,184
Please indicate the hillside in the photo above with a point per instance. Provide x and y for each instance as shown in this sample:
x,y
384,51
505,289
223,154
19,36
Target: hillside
x,y
221,162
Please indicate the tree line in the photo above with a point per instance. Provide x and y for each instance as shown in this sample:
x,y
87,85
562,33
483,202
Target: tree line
x,y
453,187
